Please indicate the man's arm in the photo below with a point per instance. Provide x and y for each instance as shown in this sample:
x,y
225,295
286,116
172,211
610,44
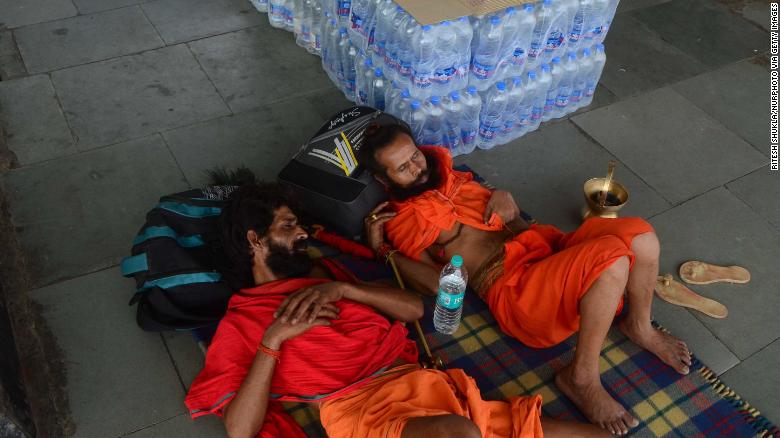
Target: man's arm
x,y
245,414
420,276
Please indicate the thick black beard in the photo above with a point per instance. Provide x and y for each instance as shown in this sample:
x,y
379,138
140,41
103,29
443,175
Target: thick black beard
x,y
417,188
286,263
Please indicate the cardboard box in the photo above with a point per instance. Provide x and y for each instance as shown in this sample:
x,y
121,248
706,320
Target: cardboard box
x,y
434,11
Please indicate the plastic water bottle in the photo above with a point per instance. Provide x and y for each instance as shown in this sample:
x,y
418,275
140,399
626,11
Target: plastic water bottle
x,y
464,34
377,90
406,55
581,80
558,33
490,120
315,46
433,130
449,301
510,25
276,13
526,22
607,17
303,34
544,79
581,24
364,78
416,120
453,110
330,57
446,59
485,53
385,11
469,121
514,98
260,5
289,15
544,19
556,73
401,105
592,79
524,112
342,12
566,86
424,62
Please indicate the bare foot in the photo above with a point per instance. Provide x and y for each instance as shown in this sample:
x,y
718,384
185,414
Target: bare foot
x,y
669,349
593,400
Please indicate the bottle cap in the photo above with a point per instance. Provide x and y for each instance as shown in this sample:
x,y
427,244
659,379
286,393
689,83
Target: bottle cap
x,y
501,85
528,7
455,96
471,89
405,93
368,62
463,19
343,31
378,72
546,68
457,261
427,27
556,60
435,100
517,81
532,74
586,52
547,2
600,47
415,104
510,10
572,55
495,20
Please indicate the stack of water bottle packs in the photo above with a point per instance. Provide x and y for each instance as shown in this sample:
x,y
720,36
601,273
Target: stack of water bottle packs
x,y
477,81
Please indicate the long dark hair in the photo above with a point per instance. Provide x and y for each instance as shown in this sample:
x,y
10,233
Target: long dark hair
x,y
251,207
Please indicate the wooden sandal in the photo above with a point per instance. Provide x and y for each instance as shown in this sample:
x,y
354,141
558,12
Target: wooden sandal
x,y
676,293
695,272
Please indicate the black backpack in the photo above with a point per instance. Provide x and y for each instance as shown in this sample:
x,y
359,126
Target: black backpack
x,y
327,178
175,262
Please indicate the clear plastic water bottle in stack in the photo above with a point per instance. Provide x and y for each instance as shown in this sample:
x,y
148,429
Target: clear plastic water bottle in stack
x,y
494,103
433,127
449,300
469,120
453,110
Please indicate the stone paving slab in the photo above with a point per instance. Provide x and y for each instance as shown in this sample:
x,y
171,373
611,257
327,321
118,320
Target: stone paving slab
x,y
86,38
715,37
681,323
260,65
545,171
91,6
758,380
719,228
185,20
11,64
133,96
18,13
328,102
671,144
119,377
757,11
630,5
186,355
183,426
639,60
34,123
761,191
79,214
263,140
734,95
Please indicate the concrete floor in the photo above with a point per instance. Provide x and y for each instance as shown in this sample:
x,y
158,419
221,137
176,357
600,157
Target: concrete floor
x,y
117,102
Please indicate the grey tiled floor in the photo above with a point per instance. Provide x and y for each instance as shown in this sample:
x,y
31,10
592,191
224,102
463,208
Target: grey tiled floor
x,y
126,100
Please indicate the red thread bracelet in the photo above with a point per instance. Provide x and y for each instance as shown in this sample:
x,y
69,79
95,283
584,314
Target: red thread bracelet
x,y
276,354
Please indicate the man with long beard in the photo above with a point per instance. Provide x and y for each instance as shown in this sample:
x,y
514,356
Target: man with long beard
x,y
306,333
541,284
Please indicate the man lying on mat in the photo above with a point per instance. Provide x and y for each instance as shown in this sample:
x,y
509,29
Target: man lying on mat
x,y
306,333
541,285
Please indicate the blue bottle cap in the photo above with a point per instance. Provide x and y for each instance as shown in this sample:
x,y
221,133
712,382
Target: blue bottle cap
x,y
501,85
378,72
586,52
600,47
528,7
455,96
343,31
415,104
471,89
510,10
463,19
457,261
517,81
368,62
445,23
427,27
435,100
547,2
495,20
405,93
546,68
556,60
531,74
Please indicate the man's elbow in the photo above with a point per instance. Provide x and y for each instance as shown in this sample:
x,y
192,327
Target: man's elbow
x,y
416,310
235,428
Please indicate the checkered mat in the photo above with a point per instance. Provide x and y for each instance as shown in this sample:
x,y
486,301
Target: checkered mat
x,y
666,403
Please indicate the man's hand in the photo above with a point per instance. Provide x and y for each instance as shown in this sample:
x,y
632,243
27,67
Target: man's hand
x,y
305,304
503,204
280,331
374,223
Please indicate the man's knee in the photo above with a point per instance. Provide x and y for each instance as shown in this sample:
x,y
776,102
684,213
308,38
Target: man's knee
x,y
646,246
453,426
618,270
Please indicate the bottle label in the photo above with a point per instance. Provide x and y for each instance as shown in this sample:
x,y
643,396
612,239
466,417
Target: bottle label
x,y
518,57
488,131
590,90
343,8
549,104
482,71
576,95
562,100
536,49
405,68
421,80
277,11
554,40
444,75
448,301
468,136
536,113
357,22
362,97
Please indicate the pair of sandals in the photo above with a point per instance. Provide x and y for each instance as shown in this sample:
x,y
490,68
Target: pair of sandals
x,y
695,272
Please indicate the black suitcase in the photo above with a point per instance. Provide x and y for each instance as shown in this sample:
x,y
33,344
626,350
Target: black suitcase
x,y
326,177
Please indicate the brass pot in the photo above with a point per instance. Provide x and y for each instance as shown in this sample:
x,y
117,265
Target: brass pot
x,y
592,188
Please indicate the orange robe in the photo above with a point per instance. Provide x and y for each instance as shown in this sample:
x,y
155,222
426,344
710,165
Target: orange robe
x,y
382,408
546,271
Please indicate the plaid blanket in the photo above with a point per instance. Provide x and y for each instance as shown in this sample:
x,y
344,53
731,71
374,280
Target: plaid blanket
x,y
666,403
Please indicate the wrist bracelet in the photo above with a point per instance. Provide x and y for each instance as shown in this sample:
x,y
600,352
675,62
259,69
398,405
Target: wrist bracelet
x,y
276,354
390,254
381,252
